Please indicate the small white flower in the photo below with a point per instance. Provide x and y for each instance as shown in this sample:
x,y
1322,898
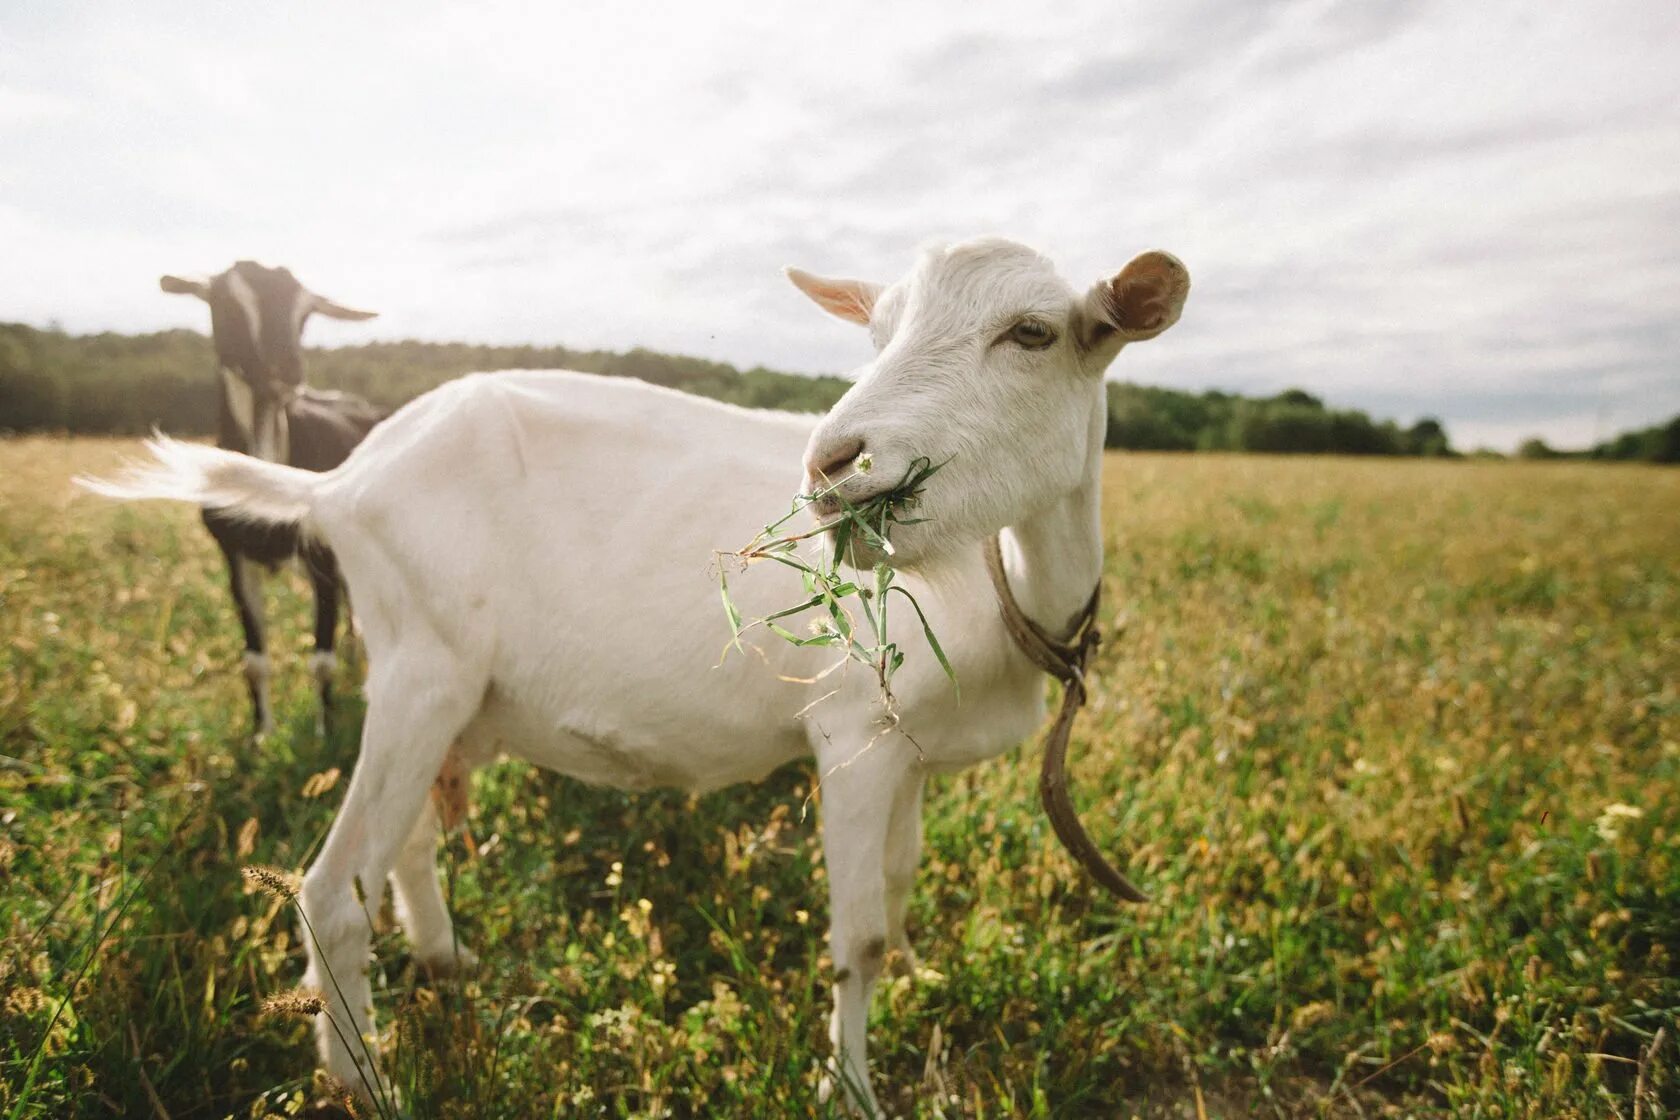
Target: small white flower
x,y
865,462
1606,825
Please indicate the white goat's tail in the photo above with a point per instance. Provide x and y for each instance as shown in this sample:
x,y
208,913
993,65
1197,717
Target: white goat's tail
x,y
240,485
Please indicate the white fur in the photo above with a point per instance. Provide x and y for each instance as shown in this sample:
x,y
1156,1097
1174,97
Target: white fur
x,y
303,302
242,404
264,428
531,555
239,484
258,670
247,301
273,438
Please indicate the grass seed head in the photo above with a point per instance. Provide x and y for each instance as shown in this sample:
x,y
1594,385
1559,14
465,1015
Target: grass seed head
x,y
305,1004
271,880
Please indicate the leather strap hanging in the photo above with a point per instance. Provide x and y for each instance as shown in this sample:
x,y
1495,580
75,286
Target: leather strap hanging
x,y
1067,662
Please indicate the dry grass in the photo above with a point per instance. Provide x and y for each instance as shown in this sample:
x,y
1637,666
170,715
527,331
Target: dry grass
x,y
1396,745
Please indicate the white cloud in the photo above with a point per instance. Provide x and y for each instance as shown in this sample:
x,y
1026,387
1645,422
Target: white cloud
x,y
1463,210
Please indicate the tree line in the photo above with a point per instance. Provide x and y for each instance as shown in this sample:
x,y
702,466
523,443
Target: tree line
x,y
1294,421
117,384
1658,444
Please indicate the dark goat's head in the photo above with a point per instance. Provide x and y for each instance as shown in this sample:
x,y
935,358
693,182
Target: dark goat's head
x,y
257,316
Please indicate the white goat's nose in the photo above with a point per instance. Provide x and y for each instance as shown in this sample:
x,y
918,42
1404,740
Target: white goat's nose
x,y
828,461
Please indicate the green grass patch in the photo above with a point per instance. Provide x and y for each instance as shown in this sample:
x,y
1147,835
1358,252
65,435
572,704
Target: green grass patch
x,y
1395,744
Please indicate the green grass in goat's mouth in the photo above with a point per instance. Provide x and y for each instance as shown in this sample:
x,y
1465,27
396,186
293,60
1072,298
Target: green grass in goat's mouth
x,y
857,533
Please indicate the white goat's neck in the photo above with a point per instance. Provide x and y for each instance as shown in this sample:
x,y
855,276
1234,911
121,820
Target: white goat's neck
x,y
1054,557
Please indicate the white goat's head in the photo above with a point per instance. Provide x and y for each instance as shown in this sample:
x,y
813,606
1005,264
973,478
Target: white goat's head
x,y
988,362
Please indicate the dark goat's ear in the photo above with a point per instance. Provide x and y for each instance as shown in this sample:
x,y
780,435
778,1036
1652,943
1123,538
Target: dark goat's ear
x,y
185,286
333,310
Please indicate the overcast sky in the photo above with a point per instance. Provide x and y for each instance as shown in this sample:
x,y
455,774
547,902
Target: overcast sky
x,y
1466,210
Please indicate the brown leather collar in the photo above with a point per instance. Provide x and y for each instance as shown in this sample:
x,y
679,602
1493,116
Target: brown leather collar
x,y
1067,662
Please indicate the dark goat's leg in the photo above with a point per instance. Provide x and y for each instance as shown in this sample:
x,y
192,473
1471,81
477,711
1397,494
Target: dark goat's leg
x,y
247,599
323,574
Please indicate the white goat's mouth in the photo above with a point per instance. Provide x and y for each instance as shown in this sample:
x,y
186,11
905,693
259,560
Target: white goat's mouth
x,y
825,508
829,506
861,527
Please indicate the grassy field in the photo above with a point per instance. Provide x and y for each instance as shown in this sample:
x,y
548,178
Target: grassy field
x,y
1396,745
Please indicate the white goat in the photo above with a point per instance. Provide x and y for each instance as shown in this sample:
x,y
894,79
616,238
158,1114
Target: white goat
x,y
531,554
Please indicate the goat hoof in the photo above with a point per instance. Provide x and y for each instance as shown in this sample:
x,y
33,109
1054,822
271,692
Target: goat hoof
x,y
336,1099
846,1103
902,962
448,964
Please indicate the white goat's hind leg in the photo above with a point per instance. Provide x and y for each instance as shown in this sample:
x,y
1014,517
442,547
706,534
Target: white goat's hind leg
x,y
858,789
418,700
904,855
421,908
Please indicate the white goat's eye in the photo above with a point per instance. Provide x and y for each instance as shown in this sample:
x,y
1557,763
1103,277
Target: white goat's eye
x,y
1032,334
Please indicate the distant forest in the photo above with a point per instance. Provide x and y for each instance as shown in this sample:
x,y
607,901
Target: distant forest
x,y
120,384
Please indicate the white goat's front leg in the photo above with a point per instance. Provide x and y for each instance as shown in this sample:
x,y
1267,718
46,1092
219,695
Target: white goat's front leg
x,y
903,856
859,789
418,700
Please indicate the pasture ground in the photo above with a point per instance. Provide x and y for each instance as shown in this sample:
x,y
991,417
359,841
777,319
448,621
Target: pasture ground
x,y
1395,744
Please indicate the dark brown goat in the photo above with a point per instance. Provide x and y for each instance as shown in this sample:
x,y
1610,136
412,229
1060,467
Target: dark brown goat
x,y
256,318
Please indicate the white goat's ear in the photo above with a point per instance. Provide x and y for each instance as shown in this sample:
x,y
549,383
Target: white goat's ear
x,y
851,300
185,286
1139,302
338,311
